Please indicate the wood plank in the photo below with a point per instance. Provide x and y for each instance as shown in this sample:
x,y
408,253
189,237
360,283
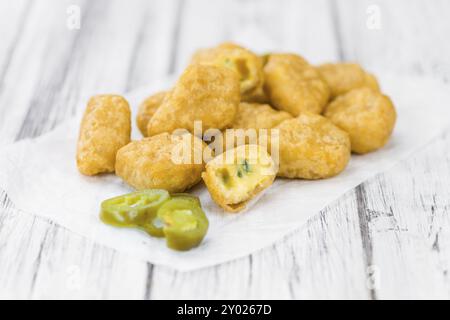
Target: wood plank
x,y
40,260
60,77
260,25
12,30
322,260
408,216
293,268
394,227
397,231
410,38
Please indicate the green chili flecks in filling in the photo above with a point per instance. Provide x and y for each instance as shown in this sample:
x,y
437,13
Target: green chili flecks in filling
x,y
228,63
246,166
225,175
243,168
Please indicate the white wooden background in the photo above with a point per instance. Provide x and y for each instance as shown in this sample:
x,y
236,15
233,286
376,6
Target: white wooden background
x,y
388,238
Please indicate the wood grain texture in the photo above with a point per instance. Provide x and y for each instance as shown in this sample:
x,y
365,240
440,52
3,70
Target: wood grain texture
x,y
389,238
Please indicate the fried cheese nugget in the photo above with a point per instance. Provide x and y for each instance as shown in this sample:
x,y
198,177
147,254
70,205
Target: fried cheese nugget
x,y
147,109
343,77
366,115
293,85
203,93
247,125
242,61
312,147
258,116
105,128
235,177
258,95
158,162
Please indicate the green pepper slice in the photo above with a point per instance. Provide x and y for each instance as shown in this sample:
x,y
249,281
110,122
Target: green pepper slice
x,y
188,197
184,223
155,226
133,209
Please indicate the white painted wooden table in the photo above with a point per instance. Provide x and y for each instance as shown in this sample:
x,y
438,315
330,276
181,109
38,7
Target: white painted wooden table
x,y
388,238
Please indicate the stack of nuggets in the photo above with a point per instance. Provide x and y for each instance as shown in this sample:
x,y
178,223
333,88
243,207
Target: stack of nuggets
x,y
314,118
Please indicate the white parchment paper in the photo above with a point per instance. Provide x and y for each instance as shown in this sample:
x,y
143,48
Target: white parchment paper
x,y
41,178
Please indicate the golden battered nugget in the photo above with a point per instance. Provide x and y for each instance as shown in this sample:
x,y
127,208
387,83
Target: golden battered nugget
x,y
258,116
238,175
258,95
343,77
244,62
147,109
264,58
105,128
158,162
312,147
203,93
248,126
293,85
366,115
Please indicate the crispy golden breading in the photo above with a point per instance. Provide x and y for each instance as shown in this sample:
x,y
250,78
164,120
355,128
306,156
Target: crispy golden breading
x,y
343,77
366,115
256,96
251,117
264,58
157,162
147,109
312,147
293,85
203,93
258,116
244,62
105,128
238,175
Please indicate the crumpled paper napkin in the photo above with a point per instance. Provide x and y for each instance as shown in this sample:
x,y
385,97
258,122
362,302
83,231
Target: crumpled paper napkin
x,y
40,177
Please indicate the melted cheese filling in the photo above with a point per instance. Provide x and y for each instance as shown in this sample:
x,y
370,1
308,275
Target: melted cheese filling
x,y
238,181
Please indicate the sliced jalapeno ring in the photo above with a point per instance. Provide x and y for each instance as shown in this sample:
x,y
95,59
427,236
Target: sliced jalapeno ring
x,y
179,217
184,223
132,209
154,227
187,196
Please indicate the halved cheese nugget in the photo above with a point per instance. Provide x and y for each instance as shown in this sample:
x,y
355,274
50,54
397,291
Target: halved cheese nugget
x,y
238,175
164,161
343,77
105,128
245,63
311,147
293,85
147,109
366,115
203,93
